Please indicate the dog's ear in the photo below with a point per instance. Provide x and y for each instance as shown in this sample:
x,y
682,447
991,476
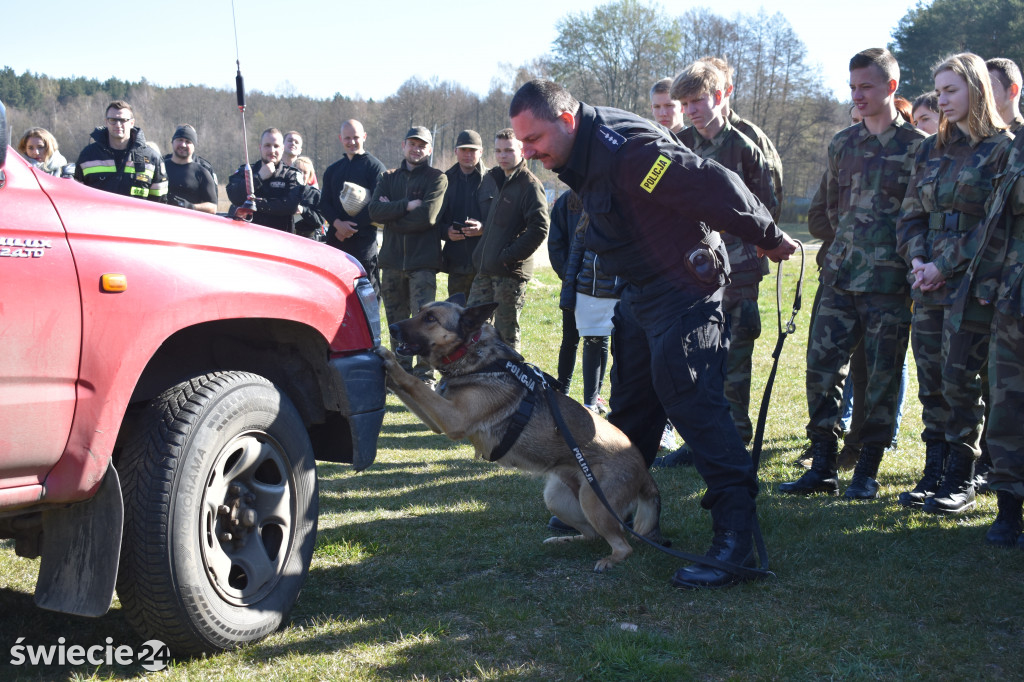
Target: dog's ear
x,y
473,318
458,299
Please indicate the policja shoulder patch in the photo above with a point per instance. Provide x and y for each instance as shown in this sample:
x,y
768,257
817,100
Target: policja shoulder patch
x,y
655,174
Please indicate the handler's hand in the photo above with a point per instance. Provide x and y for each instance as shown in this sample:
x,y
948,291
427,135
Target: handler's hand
x,y
781,252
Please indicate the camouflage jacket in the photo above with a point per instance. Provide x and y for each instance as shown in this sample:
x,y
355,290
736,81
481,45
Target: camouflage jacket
x,y
996,272
867,180
738,153
771,155
944,204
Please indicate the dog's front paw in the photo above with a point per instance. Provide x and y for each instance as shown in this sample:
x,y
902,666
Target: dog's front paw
x,y
390,361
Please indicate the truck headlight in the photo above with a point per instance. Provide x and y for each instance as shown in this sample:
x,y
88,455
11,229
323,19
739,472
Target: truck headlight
x,y
371,308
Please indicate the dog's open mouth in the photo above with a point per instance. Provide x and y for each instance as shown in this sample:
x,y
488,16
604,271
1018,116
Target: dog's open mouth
x,y
408,349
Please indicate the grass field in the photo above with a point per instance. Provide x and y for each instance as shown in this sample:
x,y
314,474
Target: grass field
x,y
429,566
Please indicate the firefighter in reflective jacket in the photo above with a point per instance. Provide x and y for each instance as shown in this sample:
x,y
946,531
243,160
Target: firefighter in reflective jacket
x,y
119,160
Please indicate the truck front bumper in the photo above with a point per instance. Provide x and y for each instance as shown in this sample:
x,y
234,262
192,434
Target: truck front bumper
x,y
359,395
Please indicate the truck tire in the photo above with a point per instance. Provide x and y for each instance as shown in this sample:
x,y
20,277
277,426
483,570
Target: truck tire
x,y
220,492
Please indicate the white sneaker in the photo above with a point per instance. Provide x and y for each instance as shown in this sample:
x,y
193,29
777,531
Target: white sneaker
x,y
668,439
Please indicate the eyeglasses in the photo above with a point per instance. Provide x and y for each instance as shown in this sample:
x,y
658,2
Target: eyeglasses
x,y
122,121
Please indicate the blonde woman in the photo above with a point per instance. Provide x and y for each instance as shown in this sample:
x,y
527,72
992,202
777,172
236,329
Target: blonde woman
x,y
40,148
938,233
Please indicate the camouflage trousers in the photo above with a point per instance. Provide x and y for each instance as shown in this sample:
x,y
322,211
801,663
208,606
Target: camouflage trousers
x,y
1005,435
460,283
949,368
844,319
740,306
404,293
510,295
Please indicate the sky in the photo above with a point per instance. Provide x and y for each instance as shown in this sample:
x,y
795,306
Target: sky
x,y
364,49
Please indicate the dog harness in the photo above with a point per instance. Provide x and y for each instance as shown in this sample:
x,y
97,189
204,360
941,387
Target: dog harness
x,y
534,381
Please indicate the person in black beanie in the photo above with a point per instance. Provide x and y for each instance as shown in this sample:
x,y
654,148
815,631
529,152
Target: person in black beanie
x,y
192,182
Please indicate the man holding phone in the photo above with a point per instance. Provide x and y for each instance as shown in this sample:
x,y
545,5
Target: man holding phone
x,y
462,214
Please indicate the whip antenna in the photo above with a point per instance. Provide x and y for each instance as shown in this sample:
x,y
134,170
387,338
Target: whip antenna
x,y
246,210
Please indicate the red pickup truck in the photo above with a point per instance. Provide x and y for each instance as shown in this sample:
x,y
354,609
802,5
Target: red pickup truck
x,y
168,380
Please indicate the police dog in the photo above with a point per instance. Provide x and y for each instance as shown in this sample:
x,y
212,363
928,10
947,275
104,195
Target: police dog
x,y
477,399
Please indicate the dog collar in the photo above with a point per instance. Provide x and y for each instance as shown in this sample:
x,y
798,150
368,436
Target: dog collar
x,y
461,351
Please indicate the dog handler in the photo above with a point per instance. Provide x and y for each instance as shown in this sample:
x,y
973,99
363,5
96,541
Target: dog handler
x,y
651,201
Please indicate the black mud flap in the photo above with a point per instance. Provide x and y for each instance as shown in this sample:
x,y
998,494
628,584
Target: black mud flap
x,y
80,549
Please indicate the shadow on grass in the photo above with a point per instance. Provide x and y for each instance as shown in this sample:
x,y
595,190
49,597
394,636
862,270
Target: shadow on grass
x,y
41,628
863,589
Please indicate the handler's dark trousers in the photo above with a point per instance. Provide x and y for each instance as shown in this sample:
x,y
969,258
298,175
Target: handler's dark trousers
x,y
669,346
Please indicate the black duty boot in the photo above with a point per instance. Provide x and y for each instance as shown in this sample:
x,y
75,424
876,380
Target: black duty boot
x,y
735,547
823,476
863,485
956,493
934,463
1006,529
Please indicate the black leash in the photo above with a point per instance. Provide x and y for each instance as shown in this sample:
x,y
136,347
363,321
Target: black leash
x,y
762,415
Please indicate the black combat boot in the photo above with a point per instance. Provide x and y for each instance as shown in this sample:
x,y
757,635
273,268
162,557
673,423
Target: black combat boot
x,y
823,476
863,485
934,463
1007,527
956,493
734,547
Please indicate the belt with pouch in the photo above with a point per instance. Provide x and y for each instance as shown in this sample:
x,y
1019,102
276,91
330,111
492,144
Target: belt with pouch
x,y
952,221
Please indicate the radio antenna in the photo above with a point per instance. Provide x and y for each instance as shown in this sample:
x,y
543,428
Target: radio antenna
x,y
246,210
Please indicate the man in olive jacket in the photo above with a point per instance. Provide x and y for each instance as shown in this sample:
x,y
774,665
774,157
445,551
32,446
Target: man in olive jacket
x,y
515,227
406,202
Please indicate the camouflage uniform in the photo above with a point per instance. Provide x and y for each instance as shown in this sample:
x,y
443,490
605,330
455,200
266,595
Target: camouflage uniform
x,y
939,223
864,281
738,153
997,274
771,156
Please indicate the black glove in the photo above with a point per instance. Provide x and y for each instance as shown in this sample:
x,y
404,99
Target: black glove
x,y
178,201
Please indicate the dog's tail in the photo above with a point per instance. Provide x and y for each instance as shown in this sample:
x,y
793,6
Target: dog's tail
x,y
648,508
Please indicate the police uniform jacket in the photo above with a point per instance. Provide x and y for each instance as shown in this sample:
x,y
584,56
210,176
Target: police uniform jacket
x,y
140,172
363,170
650,199
516,225
410,237
277,197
